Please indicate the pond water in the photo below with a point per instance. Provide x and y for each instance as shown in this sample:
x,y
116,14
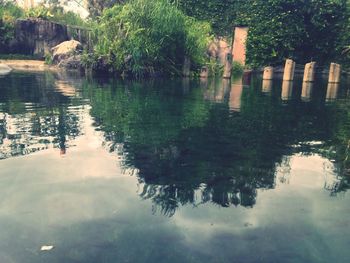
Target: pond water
x,y
171,170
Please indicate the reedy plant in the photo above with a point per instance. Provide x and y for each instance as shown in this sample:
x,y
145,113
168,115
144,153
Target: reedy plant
x,y
142,37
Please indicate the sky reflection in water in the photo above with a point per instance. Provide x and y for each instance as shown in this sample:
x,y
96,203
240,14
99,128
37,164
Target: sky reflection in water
x,y
171,171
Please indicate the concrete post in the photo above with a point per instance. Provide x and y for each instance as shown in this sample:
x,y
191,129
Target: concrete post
x,y
239,44
332,91
204,72
228,66
334,73
268,73
267,85
306,91
287,88
288,74
309,72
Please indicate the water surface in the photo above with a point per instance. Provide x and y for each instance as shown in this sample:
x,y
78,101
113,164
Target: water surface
x,y
171,170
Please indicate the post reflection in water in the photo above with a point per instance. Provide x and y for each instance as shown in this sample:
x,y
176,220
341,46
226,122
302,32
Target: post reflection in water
x,y
306,91
267,85
222,90
332,91
287,89
247,78
204,83
185,85
236,95
209,92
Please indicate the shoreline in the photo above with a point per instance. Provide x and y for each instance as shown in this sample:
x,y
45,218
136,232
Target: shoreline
x,y
28,65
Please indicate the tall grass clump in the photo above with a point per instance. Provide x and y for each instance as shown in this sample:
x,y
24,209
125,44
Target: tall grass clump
x,y
142,37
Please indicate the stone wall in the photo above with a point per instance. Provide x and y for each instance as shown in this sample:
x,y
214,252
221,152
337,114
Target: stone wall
x,y
36,36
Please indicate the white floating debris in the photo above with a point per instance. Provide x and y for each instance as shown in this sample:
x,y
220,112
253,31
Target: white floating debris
x,y
46,248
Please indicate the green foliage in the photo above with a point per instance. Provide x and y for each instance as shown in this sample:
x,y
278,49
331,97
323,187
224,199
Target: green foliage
x,y
344,41
69,18
96,7
298,29
220,14
40,12
143,37
341,134
9,12
48,59
56,14
237,68
214,67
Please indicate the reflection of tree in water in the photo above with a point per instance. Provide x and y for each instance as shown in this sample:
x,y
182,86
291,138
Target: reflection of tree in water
x,y
33,115
188,150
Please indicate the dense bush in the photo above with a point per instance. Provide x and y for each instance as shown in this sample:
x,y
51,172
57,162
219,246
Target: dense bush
x,y
301,29
96,7
144,36
9,12
220,14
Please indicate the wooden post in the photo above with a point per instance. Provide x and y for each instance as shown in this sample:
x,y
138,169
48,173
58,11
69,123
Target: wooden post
x,y
288,74
309,72
268,73
332,91
334,73
306,91
267,85
186,67
228,66
287,88
204,72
